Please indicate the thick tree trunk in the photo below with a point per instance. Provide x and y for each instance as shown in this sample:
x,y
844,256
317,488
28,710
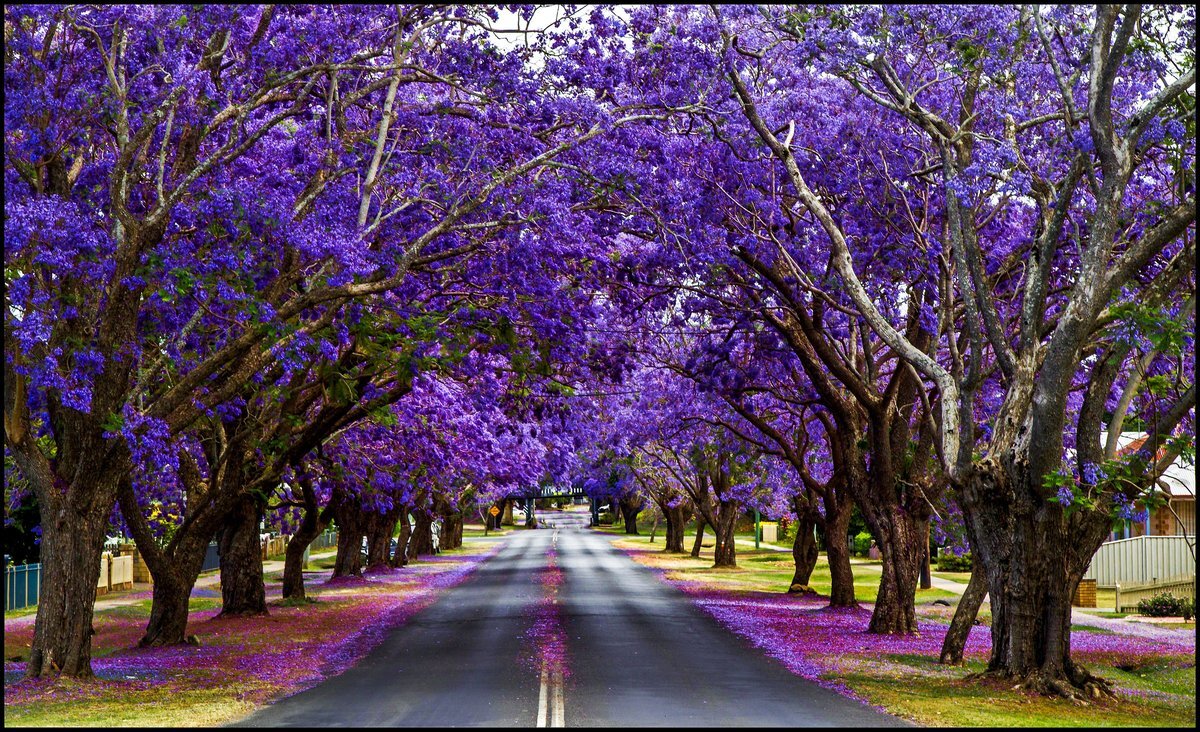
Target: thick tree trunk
x,y
964,618
72,542
630,506
452,531
421,542
804,551
507,514
677,519
900,547
699,536
351,529
1033,557
725,552
174,575
242,589
379,537
837,552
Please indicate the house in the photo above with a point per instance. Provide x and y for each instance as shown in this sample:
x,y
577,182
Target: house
x,y
1178,483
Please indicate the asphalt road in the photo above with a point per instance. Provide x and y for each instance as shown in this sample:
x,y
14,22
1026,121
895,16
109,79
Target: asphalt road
x,y
639,653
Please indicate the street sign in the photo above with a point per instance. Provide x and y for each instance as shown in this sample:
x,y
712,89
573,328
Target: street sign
x,y
494,511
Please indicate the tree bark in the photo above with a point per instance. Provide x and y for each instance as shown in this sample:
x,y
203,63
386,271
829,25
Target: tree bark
x,y
837,552
899,544
725,552
242,588
400,557
379,528
350,534
421,542
964,617
804,550
72,542
507,514
699,536
676,519
926,577
1033,558
312,524
630,506
452,530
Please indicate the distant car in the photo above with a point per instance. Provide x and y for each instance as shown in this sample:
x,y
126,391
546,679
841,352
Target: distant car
x,y
391,547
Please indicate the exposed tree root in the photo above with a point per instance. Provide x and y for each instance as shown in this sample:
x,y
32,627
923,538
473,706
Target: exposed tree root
x,y
1075,684
801,590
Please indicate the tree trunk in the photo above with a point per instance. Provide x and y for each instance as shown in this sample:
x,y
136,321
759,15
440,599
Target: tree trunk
x,y
804,550
630,506
900,547
452,531
725,552
421,541
926,577
964,617
400,557
677,519
242,589
311,526
379,528
699,536
72,542
1033,558
837,552
507,514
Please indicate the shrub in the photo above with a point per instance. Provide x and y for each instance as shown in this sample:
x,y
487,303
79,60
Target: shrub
x,y
606,518
862,543
1189,609
947,562
1165,605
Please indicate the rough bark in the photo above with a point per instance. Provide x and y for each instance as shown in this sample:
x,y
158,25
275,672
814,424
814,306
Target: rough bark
x,y
240,549
837,552
677,519
311,525
804,550
630,506
452,530
507,514
72,542
899,547
699,536
421,541
350,534
725,551
1033,557
964,618
379,529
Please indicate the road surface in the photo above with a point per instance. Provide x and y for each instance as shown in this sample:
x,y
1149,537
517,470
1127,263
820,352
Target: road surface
x,y
638,653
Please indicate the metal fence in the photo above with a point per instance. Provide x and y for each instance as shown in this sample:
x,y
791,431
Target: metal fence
x,y
324,541
1142,559
22,586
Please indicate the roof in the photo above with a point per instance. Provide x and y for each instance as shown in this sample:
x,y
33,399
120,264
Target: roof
x,y
1178,480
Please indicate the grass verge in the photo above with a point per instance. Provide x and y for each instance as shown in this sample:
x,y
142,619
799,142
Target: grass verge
x,y
241,663
1154,677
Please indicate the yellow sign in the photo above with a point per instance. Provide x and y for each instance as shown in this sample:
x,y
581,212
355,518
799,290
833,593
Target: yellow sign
x,y
494,511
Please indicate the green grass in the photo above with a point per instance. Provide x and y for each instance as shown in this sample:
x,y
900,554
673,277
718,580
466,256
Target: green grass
x,y
920,690
184,708
963,577
763,570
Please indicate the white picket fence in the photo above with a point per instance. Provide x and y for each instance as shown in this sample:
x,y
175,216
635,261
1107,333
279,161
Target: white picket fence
x,y
1142,559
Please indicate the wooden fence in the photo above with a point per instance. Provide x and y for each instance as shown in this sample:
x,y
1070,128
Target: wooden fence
x,y
1142,560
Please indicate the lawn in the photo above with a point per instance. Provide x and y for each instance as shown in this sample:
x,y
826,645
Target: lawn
x,y
241,663
1154,678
